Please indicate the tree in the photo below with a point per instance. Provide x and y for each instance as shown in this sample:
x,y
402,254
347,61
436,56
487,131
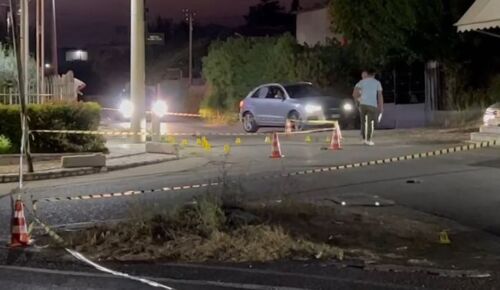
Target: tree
x,y
378,30
388,33
235,66
8,68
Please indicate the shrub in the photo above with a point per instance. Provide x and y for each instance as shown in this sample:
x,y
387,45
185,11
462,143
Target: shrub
x,y
55,116
235,66
5,145
8,68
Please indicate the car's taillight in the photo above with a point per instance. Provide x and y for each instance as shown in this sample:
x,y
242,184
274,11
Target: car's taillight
x,y
241,104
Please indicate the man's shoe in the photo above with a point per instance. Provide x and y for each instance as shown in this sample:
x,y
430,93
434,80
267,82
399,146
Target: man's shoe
x,y
370,143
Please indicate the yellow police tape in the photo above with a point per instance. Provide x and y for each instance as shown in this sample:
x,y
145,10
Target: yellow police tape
x,y
283,175
194,134
167,113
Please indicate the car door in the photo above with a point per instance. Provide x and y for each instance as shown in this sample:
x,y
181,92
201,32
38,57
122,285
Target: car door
x,y
274,109
258,104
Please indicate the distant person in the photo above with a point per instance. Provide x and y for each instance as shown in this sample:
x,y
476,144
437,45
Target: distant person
x,y
368,94
79,86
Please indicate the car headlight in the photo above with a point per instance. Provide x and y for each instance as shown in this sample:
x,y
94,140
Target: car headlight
x,y
126,108
159,108
313,109
348,107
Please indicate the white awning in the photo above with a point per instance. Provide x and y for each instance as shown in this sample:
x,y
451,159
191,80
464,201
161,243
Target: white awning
x,y
483,14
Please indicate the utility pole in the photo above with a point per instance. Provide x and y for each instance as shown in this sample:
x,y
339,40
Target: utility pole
x,y
25,12
55,60
25,43
21,84
37,50
189,18
40,48
137,69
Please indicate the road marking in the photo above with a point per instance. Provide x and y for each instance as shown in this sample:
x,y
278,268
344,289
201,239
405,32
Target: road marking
x,y
84,259
415,156
170,280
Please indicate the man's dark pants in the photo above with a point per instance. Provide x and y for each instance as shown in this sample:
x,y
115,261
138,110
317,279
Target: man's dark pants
x,y
368,115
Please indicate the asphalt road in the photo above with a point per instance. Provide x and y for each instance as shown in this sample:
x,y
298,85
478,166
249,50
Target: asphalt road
x,y
460,186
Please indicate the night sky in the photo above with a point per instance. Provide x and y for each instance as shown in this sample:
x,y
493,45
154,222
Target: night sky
x,y
84,22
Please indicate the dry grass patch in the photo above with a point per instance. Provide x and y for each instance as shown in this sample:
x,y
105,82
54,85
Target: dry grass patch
x,y
201,232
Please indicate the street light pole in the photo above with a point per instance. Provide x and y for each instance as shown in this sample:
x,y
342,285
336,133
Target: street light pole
x,y
37,50
25,44
40,49
21,87
55,60
137,69
189,18
42,46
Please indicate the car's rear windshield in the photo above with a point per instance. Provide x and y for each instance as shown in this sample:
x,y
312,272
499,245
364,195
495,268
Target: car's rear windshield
x,y
302,90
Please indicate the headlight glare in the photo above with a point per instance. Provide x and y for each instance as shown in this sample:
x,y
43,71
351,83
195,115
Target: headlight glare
x,y
159,108
126,108
348,107
313,109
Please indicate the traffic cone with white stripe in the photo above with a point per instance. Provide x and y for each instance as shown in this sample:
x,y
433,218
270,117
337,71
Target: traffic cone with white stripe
x,y
337,125
19,233
276,153
335,142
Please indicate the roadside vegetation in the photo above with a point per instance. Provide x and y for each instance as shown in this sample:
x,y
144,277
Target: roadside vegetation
x,y
54,116
209,230
467,62
200,232
5,145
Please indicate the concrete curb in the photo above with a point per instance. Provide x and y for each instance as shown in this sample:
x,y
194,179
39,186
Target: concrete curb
x,y
8,178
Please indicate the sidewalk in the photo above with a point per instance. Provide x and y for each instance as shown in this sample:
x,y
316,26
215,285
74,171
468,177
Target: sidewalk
x,y
48,166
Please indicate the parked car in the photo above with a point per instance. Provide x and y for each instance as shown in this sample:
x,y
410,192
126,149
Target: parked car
x,y
152,102
492,115
270,105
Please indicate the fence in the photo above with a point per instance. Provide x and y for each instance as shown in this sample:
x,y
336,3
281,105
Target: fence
x,y
55,88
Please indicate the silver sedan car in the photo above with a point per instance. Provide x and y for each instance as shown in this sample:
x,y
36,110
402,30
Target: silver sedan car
x,y
270,105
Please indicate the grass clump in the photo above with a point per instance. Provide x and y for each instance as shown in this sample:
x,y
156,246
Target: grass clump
x,y
199,232
5,145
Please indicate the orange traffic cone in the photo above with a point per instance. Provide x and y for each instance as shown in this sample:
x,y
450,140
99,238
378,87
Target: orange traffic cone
x,y
288,126
276,147
19,233
335,142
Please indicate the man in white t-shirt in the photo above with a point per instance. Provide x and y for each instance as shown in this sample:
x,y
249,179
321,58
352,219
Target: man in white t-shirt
x,y
368,94
79,86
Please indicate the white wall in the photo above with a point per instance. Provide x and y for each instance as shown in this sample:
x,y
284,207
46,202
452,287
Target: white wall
x,y
313,27
403,116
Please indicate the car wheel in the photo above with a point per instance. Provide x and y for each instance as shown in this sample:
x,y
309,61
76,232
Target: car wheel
x,y
296,121
249,124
